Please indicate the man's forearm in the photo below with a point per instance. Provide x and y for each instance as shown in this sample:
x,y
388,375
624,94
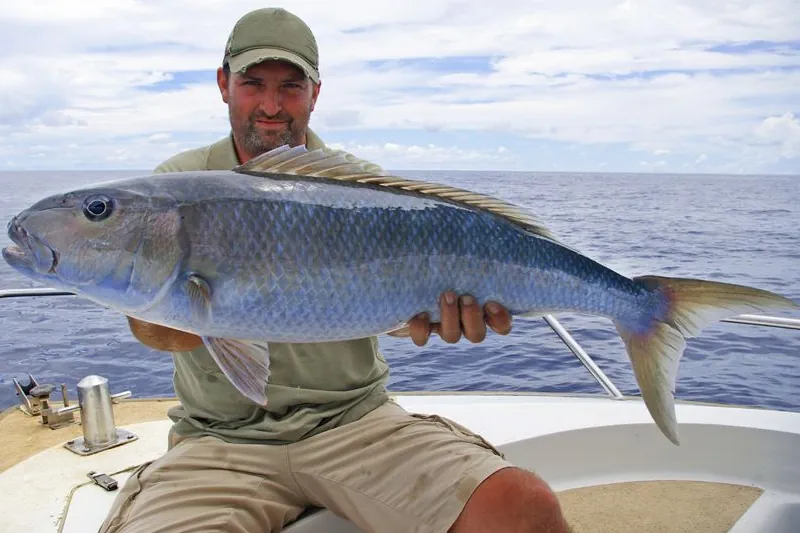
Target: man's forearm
x,y
163,338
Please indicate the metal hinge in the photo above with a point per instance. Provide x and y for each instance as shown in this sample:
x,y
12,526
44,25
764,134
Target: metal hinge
x,y
104,480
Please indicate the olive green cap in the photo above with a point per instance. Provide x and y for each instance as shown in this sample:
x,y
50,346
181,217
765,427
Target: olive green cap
x,y
272,33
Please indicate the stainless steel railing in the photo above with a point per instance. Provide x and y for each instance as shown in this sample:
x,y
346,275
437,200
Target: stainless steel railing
x,y
763,320
584,357
605,381
561,331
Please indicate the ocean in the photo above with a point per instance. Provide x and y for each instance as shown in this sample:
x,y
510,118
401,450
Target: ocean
x,y
739,229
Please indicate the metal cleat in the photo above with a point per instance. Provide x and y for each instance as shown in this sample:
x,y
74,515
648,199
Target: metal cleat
x,y
52,417
97,418
28,404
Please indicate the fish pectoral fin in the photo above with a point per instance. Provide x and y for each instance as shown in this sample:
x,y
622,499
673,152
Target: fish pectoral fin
x,y
244,363
199,292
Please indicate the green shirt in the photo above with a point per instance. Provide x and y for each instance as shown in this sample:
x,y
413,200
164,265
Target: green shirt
x,y
311,388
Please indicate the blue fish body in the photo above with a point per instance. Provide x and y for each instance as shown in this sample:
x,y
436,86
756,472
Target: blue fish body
x,y
304,261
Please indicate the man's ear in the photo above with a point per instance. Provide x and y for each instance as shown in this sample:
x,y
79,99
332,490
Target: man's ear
x,y
315,93
222,83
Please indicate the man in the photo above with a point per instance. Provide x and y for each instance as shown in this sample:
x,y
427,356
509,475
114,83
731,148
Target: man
x,y
330,436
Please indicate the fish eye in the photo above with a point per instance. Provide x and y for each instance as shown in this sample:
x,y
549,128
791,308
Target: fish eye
x,y
97,208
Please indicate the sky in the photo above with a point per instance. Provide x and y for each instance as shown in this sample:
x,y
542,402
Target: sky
x,y
672,86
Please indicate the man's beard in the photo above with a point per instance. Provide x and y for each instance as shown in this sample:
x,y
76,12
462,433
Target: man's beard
x,y
257,142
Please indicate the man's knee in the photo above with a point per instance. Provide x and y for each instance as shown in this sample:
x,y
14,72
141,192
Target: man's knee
x,y
512,499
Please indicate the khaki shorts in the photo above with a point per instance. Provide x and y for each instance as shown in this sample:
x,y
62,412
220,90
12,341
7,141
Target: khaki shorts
x,y
390,471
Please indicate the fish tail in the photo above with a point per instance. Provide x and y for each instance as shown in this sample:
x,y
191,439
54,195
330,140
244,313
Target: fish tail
x,y
682,308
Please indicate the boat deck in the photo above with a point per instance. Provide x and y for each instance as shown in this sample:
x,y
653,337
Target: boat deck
x,y
677,503
24,436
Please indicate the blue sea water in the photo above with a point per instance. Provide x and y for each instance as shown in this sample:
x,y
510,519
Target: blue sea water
x,y
740,229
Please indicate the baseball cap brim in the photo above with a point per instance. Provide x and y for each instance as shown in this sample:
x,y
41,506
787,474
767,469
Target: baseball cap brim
x,y
248,58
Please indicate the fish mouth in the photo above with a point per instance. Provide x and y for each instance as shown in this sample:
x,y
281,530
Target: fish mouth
x,y
28,253
17,258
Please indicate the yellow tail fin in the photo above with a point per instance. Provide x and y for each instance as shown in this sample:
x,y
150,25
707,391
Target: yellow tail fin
x,y
693,304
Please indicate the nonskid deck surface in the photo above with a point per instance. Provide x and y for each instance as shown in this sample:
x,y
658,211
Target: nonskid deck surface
x,y
651,496
666,506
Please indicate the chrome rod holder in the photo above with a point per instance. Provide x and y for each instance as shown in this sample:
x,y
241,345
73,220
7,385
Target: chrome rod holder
x,y
97,417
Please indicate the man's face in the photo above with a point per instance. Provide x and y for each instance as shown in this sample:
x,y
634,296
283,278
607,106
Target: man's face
x,y
269,105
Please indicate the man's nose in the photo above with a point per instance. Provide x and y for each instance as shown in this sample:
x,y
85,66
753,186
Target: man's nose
x,y
271,102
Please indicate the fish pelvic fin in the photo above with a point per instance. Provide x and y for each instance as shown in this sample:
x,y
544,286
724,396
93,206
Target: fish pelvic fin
x,y
343,166
244,363
691,305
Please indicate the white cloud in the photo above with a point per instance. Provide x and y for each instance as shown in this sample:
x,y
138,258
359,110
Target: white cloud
x,y
783,131
560,72
59,11
158,137
431,156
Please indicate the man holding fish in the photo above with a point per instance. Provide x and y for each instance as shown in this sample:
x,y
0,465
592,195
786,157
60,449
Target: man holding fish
x,y
269,265
329,436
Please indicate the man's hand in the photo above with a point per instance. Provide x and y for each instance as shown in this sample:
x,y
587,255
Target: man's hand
x,y
459,316
163,338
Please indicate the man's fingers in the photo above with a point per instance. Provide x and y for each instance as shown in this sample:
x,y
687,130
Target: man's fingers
x,y
420,329
450,326
498,318
472,319
459,316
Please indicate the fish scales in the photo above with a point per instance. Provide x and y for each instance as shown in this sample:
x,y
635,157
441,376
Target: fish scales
x,y
326,265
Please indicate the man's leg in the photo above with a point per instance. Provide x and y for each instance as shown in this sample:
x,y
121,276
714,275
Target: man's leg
x,y
395,472
204,484
512,500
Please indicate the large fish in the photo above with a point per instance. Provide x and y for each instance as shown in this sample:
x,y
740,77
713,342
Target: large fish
x,y
298,246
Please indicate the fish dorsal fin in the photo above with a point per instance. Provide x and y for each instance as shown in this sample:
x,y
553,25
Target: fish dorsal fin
x,y
343,166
